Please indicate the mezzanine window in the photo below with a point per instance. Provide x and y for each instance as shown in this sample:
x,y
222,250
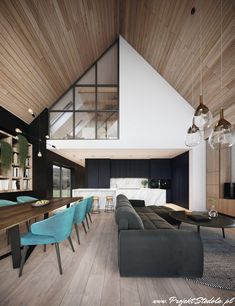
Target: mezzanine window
x,y
90,108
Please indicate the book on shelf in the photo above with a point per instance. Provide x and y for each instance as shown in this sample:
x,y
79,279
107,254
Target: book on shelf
x,y
15,158
16,172
25,184
4,184
26,172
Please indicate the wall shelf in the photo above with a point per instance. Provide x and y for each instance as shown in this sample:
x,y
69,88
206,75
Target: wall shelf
x,y
14,180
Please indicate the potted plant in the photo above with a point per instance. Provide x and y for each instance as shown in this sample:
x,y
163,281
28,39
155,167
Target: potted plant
x,y
144,183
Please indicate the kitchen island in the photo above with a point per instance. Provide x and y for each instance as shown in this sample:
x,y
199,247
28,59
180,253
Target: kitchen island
x,y
150,196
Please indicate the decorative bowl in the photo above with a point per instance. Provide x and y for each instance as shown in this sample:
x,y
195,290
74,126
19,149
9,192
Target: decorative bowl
x,y
40,203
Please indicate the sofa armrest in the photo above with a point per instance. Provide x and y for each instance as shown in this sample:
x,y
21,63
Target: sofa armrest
x,y
169,253
122,225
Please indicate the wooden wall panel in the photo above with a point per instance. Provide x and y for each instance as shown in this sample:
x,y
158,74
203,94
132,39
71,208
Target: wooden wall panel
x,y
218,172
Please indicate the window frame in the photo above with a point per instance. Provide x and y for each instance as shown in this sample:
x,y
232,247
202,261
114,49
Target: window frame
x,y
96,110
60,171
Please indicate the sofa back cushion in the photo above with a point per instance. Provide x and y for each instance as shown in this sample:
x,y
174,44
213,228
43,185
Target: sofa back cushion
x,y
127,218
122,201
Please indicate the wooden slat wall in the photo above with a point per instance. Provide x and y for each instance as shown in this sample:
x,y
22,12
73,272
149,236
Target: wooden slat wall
x,y
218,171
45,45
167,36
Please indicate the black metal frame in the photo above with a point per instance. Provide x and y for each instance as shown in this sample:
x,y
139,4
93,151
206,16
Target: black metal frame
x,y
61,166
96,86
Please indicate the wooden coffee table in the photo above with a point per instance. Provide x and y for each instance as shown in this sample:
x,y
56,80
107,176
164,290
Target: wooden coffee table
x,y
219,222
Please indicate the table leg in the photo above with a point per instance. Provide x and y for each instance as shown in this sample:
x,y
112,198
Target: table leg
x,y
198,228
14,233
223,232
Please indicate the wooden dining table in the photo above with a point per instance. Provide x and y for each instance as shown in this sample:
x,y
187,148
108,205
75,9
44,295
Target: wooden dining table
x,y
12,216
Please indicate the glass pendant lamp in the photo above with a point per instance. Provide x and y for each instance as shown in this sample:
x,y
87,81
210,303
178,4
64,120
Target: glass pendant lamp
x,y
193,137
202,115
222,134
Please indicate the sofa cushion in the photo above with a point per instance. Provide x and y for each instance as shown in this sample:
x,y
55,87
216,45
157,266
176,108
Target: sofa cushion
x,y
131,218
153,221
162,211
122,201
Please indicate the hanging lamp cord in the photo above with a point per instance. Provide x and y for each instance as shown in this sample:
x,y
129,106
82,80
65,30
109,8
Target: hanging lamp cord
x,y
200,45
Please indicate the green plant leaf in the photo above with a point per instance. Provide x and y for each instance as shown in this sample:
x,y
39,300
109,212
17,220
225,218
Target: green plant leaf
x,y
6,155
23,149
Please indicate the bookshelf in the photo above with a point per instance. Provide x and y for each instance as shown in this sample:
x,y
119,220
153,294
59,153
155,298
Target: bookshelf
x,y
17,178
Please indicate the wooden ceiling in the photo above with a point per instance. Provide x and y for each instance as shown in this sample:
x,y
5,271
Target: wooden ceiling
x,y
45,45
166,34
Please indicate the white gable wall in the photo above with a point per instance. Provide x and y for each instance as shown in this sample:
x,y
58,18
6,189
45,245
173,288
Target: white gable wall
x,y
152,115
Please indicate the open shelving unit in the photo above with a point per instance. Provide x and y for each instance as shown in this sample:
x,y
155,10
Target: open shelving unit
x,y
17,178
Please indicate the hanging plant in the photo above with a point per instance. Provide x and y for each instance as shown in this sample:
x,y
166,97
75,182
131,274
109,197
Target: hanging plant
x,y
23,149
6,155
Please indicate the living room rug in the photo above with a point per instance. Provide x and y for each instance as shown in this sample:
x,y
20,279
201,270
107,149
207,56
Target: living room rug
x,y
219,258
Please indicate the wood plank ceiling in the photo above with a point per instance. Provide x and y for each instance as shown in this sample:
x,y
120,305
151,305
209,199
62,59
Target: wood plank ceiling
x,y
45,45
167,36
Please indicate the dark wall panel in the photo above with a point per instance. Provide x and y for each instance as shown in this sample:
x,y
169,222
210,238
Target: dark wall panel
x,y
8,122
77,171
92,173
180,180
124,168
161,169
104,173
97,173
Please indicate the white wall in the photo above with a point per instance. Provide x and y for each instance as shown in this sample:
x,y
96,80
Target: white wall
x,y
152,115
197,177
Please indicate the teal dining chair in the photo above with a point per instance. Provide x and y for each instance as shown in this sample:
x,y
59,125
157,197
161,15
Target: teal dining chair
x,y
6,203
89,209
79,216
52,230
25,199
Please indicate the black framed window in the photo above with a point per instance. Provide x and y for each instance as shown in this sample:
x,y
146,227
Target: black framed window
x,y
62,186
90,108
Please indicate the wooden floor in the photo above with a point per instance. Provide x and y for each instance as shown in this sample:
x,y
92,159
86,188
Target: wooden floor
x,y
90,276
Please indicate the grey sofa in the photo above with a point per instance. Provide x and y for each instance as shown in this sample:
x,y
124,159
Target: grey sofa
x,y
148,245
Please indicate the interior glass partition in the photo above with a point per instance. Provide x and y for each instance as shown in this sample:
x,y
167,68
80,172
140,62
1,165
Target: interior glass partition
x,y
61,182
90,108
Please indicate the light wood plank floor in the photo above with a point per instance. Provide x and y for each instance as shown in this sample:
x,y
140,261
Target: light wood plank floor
x,y
90,276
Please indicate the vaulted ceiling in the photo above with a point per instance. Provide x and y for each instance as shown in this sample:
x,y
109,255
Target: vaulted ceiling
x,y
45,45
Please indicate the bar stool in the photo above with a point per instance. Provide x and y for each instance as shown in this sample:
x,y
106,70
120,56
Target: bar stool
x,y
109,206
96,205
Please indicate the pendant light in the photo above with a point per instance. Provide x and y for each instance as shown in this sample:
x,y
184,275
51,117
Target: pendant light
x,y
202,115
193,137
222,134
